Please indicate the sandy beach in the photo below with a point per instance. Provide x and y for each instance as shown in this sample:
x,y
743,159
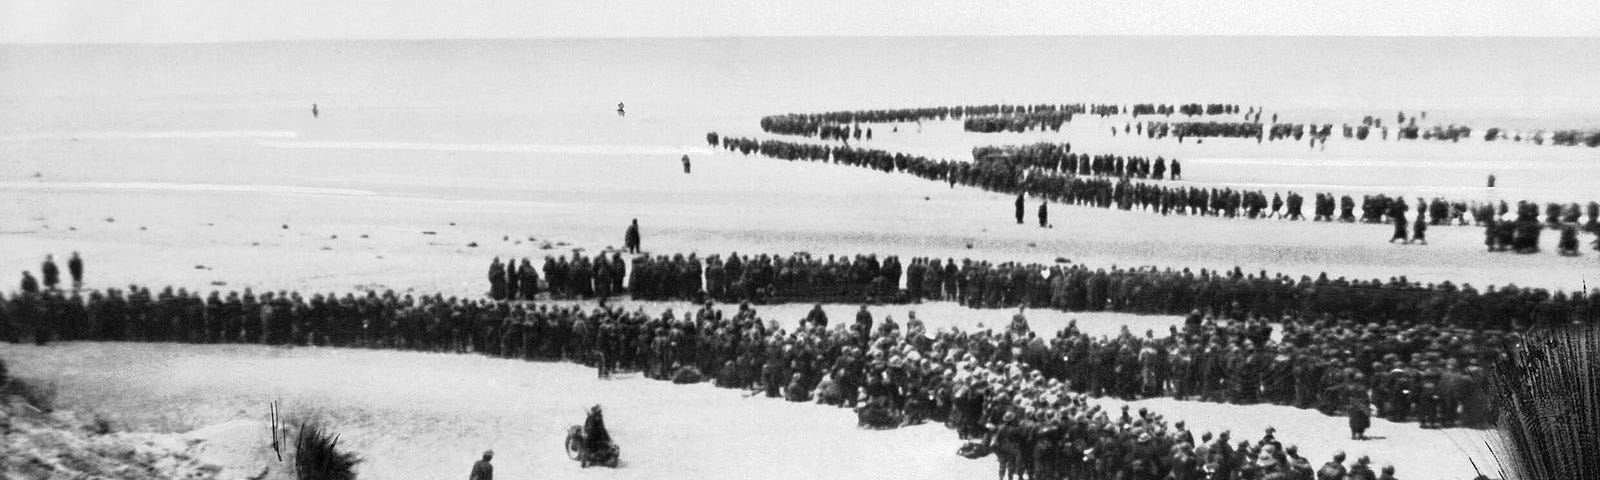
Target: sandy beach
x,y
201,167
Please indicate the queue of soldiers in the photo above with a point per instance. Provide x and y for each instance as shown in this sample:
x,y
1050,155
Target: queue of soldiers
x,y
1058,158
579,277
1233,294
1014,389
1040,170
816,124
1017,122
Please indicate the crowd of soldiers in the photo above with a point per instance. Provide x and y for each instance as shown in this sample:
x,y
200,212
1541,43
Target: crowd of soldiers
x,y
767,279
1017,122
1058,158
578,277
1234,294
830,124
1043,171
1522,234
1022,392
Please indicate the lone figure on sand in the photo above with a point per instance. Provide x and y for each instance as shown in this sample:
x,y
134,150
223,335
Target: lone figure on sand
x,y
1019,209
314,112
686,163
630,240
482,470
620,111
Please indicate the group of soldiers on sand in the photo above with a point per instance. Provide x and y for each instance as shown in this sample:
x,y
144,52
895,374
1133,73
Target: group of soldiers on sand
x,y
1025,395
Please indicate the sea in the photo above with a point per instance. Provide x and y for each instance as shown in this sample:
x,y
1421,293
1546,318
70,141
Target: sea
x,y
240,113
558,91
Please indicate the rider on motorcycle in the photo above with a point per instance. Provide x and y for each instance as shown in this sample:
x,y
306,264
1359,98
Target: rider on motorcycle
x,y
595,437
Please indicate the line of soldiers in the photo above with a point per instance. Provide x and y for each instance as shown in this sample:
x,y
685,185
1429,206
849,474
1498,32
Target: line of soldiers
x,y
1058,158
1055,182
1434,375
1521,235
1231,294
1237,295
52,274
1011,388
579,277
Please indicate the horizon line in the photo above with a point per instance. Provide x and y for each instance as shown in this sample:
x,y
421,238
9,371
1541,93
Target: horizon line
x,y
792,37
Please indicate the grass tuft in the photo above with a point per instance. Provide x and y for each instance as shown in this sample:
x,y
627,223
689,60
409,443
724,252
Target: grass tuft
x,y
317,456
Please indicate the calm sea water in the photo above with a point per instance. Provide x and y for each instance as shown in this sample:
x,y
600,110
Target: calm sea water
x,y
562,91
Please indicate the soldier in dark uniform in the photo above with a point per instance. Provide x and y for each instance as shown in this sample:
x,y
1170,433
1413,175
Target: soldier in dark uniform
x,y
497,280
52,275
630,240
1360,419
29,284
1397,214
685,164
1044,213
817,317
1334,469
75,268
482,469
1019,208
1177,170
512,279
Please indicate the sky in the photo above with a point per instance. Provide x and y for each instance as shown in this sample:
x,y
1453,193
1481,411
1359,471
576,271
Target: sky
x,y
204,21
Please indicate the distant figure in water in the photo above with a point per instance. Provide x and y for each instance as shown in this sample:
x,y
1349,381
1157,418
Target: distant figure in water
x,y
314,112
685,164
620,111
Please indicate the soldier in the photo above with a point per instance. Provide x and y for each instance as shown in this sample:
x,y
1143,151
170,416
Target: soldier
x,y
1334,469
29,284
529,281
497,280
482,469
1362,470
1360,419
75,267
1569,240
1019,208
1388,473
1177,170
52,275
817,318
511,279
630,240
1044,213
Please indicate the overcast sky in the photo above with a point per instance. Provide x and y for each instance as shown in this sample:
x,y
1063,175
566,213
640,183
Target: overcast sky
x,y
122,21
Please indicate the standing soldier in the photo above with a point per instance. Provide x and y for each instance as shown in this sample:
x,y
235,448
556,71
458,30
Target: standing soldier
x,y
497,280
75,267
630,240
1019,209
1044,214
685,164
512,279
52,275
482,469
